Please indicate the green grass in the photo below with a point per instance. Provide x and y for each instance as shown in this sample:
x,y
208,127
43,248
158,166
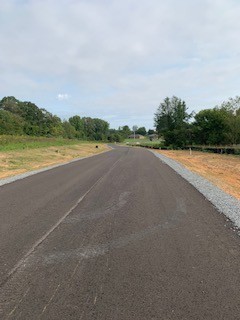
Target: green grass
x,y
144,143
10,143
135,140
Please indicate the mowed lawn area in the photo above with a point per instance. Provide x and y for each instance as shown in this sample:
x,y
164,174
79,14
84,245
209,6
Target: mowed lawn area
x,y
221,169
22,154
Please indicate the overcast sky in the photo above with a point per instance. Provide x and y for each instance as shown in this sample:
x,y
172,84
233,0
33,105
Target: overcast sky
x,y
117,60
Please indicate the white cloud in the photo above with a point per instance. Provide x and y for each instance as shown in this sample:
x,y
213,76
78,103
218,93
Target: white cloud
x,y
62,96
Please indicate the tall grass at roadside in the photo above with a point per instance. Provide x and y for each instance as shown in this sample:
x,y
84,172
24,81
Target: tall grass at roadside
x,y
155,144
135,140
11,143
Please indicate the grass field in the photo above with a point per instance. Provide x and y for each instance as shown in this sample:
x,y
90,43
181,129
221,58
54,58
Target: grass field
x,y
143,142
223,170
135,140
22,154
9,143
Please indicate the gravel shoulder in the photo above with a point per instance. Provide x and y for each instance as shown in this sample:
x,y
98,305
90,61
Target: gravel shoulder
x,y
225,203
222,170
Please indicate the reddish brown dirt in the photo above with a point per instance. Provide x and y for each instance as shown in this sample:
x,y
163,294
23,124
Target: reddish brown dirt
x,y
222,170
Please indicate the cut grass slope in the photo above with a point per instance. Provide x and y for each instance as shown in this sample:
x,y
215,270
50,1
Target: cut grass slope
x,y
9,143
21,154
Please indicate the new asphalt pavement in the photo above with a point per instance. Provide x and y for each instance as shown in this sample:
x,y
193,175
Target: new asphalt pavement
x,y
115,236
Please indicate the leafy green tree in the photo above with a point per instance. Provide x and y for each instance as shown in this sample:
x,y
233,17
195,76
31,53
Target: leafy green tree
x,y
231,112
88,128
78,124
142,131
210,127
10,104
115,136
49,124
69,131
17,117
151,131
125,131
171,121
37,122
101,128
11,123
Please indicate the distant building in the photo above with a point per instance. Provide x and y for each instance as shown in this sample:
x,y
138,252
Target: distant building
x,y
137,136
153,136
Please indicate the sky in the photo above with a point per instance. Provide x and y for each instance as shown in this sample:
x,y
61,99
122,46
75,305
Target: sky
x,y
117,60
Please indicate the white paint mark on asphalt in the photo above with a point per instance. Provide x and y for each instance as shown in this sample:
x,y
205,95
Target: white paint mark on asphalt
x,y
50,300
19,302
74,271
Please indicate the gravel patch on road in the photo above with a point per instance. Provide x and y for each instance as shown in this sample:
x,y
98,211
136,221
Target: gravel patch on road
x,y
225,203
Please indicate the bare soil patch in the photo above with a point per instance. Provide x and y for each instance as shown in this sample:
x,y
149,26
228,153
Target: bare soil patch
x,y
222,170
21,161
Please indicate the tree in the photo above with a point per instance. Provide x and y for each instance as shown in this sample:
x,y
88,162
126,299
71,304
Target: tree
x,y
88,128
95,129
171,121
125,131
101,128
231,111
78,124
10,104
11,123
69,131
115,136
210,127
151,131
37,122
142,131
49,124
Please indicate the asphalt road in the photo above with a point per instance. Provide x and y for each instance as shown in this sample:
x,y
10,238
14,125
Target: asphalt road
x,y
116,236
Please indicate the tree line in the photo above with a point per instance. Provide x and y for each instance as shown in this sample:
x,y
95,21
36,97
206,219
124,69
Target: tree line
x,y
216,126
26,118
173,123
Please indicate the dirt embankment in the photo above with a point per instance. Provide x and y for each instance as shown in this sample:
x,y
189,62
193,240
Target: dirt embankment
x,y
222,170
21,161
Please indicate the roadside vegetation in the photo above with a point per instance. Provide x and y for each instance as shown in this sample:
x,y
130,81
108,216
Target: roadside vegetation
x,y
146,143
174,125
32,138
10,143
217,126
212,130
20,155
25,118
28,132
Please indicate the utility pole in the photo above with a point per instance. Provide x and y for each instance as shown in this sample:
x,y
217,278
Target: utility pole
x,y
134,130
